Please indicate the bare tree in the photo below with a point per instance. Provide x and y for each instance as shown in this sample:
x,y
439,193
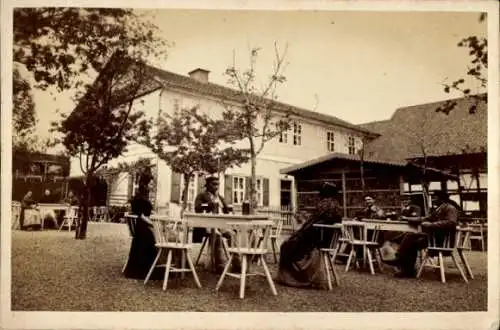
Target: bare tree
x,y
260,117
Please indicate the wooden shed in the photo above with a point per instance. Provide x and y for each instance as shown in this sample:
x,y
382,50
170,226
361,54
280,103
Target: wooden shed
x,y
384,181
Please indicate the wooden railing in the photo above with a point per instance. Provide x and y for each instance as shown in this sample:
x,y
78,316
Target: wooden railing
x,y
285,212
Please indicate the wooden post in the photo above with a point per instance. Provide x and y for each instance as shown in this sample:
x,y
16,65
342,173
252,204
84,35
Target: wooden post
x,y
344,193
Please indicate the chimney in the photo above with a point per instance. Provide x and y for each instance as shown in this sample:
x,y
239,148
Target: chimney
x,y
200,75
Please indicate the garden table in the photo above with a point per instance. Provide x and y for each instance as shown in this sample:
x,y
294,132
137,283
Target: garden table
x,y
51,208
215,221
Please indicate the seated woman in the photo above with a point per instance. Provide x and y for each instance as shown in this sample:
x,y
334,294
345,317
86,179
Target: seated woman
x,y
300,261
143,250
29,213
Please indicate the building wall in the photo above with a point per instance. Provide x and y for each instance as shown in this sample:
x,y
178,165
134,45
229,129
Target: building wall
x,y
275,155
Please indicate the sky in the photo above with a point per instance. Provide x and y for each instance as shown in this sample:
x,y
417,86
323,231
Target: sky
x,y
357,66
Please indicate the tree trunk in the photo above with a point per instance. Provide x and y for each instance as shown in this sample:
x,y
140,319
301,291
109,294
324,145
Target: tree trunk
x,y
253,179
81,227
184,196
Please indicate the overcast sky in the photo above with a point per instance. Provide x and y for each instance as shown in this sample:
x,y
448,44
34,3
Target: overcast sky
x,y
358,66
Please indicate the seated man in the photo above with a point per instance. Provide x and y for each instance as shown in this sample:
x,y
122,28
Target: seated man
x,y
210,201
409,209
372,210
442,221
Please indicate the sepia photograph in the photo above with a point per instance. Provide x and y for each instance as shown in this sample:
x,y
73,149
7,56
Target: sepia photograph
x,y
333,160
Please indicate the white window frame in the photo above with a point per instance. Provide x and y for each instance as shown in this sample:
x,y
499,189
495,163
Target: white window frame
x,y
297,133
351,145
330,141
193,183
237,191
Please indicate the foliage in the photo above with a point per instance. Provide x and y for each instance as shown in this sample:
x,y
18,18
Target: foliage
x,y
477,73
258,118
59,44
104,122
192,142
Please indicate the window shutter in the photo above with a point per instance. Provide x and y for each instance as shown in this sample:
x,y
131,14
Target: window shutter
x,y
130,188
201,184
265,192
228,189
175,192
248,182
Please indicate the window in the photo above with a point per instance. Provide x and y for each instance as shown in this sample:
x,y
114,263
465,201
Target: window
x,y
284,136
330,141
191,190
260,195
238,190
55,170
297,134
483,180
351,146
468,181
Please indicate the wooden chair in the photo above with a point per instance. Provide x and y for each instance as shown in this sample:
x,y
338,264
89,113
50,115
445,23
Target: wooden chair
x,y
99,213
131,220
476,232
70,217
16,215
246,243
446,248
356,235
275,236
169,236
329,255
462,244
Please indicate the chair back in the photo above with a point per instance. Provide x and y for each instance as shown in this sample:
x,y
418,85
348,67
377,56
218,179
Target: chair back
x,y
337,233
131,220
248,237
441,239
354,230
169,230
174,211
277,225
72,212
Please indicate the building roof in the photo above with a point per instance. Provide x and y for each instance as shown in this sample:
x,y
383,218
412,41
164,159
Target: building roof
x,y
410,168
336,155
415,127
174,80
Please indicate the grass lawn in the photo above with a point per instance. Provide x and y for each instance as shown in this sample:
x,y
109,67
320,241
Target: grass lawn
x,y
51,271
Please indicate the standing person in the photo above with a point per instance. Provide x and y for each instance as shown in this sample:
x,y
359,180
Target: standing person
x,y
442,221
142,250
210,201
28,210
300,259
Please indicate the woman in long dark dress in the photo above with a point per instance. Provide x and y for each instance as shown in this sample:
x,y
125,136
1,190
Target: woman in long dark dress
x,y
300,261
143,250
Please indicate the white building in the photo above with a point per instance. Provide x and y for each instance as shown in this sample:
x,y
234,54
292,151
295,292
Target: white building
x,y
311,135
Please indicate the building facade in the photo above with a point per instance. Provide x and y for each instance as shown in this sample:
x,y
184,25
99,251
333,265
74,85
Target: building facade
x,y
311,135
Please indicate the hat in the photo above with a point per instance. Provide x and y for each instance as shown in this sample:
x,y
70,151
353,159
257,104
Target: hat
x,y
441,194
369,198
328,189
211,178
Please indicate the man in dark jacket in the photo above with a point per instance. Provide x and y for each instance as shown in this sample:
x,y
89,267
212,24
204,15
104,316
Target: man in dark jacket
x,y
210,201
409,209
441,222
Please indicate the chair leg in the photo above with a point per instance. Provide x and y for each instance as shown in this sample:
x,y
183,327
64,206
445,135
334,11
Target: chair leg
x,y
268,276
379,259
466,264
273,245
226,269
167,269
243,276
422,265
193,270
351,255
459,267
334,271
203,243
326,263
152,266
126,262
370,261
482,242
441,267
